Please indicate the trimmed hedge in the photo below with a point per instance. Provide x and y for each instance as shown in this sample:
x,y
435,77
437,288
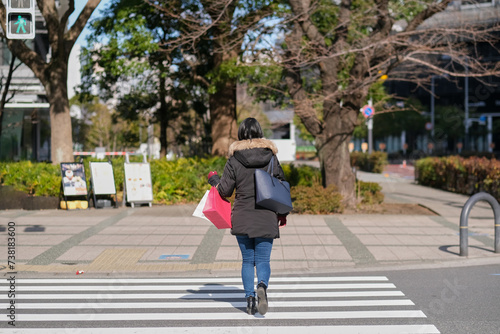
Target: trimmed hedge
x,y
185,181
39,179
461,175
180,181
374,163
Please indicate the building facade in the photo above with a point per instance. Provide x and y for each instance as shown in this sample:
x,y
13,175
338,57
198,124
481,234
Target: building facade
x,y
25,122
25,119
463,114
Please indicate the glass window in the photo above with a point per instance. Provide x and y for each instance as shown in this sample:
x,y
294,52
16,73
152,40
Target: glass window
x,y
6,55
477,2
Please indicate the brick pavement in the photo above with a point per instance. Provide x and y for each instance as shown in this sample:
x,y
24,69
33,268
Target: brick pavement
x,y
167,240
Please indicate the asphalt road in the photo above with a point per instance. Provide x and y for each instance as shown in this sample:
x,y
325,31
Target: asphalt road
x,y
461,300
451,300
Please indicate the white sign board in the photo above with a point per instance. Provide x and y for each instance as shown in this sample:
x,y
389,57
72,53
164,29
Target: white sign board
x,y
103,180
138,185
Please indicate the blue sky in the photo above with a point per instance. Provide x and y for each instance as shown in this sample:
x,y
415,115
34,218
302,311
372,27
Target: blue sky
x,y
78,8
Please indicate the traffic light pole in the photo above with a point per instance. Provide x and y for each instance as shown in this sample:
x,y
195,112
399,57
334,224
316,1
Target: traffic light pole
x,y
369,125
466,108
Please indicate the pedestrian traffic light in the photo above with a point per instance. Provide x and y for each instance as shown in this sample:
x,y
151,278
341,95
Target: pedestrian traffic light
x,y
20,19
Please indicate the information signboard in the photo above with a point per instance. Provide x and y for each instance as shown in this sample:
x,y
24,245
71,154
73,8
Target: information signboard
x,y
138,185
73,179
103,180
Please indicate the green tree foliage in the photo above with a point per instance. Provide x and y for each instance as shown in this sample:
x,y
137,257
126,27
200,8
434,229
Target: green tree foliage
x,y
410,119
336,54
214,36
98,126
118,51
186,55
110,131
449,123
130,62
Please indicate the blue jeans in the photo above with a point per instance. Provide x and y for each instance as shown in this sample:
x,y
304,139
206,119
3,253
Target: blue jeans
x,y
256,252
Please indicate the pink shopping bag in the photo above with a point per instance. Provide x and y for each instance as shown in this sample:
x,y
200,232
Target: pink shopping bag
x,y
217,210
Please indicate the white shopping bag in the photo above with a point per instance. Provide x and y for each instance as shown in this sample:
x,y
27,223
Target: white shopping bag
x,y
198,212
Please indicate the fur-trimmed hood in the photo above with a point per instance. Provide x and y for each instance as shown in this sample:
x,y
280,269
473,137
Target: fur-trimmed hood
x,y
254,153
252,143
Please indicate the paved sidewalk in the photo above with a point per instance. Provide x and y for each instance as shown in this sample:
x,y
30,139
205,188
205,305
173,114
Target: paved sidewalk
x,y
167,240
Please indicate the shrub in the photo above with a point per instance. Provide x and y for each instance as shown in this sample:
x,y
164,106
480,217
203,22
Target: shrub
x,y
359,160
316,199
461,175
378,161
38,179
374,163
370,192
302,175
179,181
184,181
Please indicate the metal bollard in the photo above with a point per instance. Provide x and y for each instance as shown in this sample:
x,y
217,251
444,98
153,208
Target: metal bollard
x,y
464,220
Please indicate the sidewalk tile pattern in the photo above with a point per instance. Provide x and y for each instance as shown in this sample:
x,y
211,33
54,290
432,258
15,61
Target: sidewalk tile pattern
x,y
156,240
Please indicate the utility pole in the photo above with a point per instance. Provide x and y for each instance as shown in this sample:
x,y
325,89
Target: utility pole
x,y
432,105
466,107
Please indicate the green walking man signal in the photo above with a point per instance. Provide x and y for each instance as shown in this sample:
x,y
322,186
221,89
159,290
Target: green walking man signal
x,y
20,19
20,24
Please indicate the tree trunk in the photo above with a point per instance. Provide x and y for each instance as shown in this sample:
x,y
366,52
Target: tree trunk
x,y
223,117
114,142
163,116
334,157
60,119
60,136
163,134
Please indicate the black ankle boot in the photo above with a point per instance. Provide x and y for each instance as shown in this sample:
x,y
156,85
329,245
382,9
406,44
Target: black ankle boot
x,y
262,298
251,305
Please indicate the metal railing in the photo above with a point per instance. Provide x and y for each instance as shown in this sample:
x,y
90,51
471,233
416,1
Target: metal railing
x,y
464,221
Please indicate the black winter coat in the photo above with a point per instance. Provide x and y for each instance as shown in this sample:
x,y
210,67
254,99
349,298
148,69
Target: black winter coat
x,y
244,157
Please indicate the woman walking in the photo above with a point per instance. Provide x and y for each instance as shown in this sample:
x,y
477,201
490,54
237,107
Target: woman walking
x,y
255,227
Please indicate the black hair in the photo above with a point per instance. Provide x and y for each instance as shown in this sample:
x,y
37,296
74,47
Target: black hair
x,y
250,129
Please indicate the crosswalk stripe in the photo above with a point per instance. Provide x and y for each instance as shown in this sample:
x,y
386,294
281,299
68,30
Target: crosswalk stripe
x,y
219,316
301,279
214,305
385,329
240,295
101,304
24,288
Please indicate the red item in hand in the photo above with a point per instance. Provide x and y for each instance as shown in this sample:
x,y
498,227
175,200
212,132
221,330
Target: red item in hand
x,y
282,220
212,173
217,210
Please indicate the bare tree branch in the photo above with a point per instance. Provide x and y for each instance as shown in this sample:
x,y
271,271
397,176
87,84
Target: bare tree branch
x,y
81,21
